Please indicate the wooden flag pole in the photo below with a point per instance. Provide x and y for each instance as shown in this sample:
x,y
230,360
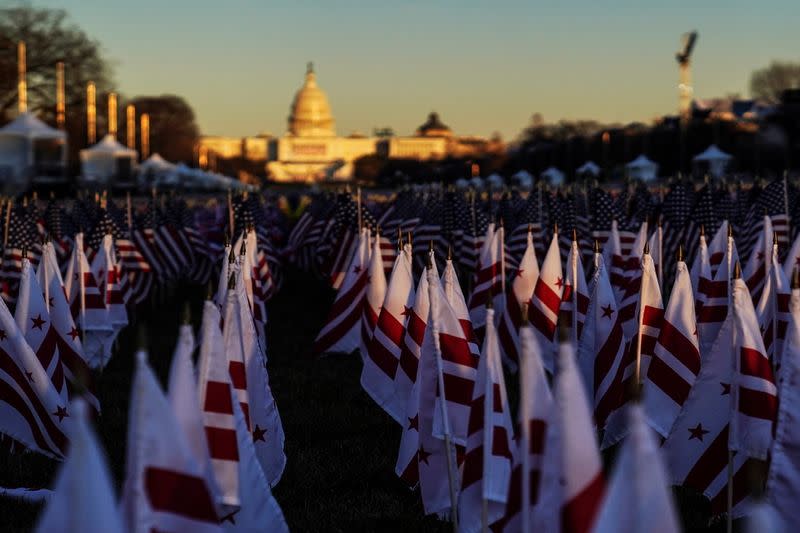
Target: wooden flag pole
x,y
574,296
734,394
640,311
448,444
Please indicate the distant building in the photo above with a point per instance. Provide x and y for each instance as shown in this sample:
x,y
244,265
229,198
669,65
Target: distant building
x,y
311,151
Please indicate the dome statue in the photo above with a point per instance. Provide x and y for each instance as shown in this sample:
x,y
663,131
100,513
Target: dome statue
x,y
310,112
434,127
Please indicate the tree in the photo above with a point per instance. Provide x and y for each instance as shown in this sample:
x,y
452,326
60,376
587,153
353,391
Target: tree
x,y
173,130
50,38
769,82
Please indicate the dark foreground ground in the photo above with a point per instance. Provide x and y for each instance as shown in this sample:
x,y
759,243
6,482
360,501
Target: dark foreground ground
x,y
340,446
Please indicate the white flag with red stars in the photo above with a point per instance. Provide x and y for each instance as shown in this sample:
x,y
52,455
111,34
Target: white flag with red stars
x,y
488,459
373,299
382,362
546,301
676,357
215,389
70,349
511,319
33,320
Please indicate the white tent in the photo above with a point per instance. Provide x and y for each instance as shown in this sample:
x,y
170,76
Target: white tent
x,y
523,179
588,168
715,159
553,176
107,162
642,168
30,149
495,181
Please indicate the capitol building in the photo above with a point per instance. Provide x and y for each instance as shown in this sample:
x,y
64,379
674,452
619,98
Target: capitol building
x,y
310,150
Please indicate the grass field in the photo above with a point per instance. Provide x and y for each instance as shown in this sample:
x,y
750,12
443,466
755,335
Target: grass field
x,y
340,446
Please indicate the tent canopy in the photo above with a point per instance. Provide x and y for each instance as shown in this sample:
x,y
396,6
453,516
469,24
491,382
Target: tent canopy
x,y
642,168
108,146
713,153
26,125
553,175
589,168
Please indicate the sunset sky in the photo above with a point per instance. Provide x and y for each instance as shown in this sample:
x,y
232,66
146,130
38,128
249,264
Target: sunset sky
x,y
484,66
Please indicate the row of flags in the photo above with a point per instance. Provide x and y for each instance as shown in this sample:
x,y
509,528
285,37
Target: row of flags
x,y
681,365
201,457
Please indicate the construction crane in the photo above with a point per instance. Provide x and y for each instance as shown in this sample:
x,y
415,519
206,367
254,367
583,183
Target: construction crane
x,y
685,90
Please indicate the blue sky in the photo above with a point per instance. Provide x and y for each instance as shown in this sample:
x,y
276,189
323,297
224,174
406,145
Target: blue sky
x,y
484,66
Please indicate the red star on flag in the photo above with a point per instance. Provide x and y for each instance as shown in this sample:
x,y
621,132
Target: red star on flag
x,y
697,432
61,413
423,455
406,311
519,272
560,283
356,269
74,333
38,322
413,423
607,311
258,434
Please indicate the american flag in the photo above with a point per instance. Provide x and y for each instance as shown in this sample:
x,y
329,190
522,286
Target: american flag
x,y
23,235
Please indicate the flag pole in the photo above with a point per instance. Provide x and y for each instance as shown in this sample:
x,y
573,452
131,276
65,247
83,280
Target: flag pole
x,y
660,254
638,374
525,428
358,200
129,213
437,349
230,213
503,258
734,394
774,300
574,296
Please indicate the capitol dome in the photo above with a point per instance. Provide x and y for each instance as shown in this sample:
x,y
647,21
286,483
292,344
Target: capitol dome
x,y
310,113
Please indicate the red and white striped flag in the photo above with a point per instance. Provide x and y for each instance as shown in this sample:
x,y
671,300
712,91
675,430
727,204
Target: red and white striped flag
x,y
83,495
382,361
783,480
633,280
649,318
575,300
165,487
68,339
792,258
342,330
488,279
411,350
33,319
757,266
183,396
717,246
529,508
375,294
242,346
615,259
639,496
773,309
106,271
31,409
716,297
711,421
488,458
87,304
546,301
511,319
676,357
701,273
601,349
455,297
754,394
215,389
